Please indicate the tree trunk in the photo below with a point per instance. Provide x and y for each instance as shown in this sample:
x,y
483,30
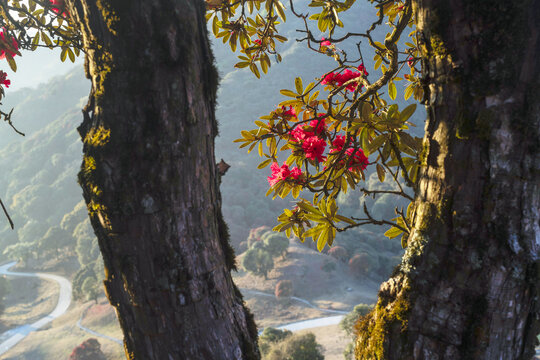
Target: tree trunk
x,y
150,180
467,287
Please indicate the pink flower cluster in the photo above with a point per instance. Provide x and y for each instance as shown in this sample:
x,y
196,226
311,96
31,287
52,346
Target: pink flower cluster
x,y
59,7
308,136
280,173
4,49
325,43
3,79
288,112
337,79
356,158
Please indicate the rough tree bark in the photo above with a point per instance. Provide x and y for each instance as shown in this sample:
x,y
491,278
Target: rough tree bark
x,y
150,180
468,285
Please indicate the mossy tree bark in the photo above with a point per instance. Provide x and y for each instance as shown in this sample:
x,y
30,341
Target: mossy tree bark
x,y
151,184
468,286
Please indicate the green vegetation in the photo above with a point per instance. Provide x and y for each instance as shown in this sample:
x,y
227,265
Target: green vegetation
x,y
284,345
348,324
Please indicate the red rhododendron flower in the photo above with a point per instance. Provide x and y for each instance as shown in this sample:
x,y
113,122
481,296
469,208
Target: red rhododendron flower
x,y
357,159
314,147
338,143
325,43
4,47
282,172
296,173
288,113
319,126
59,6
336,79
3,79
300,133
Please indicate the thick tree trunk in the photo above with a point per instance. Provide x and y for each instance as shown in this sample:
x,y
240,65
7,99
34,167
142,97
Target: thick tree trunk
x,y
150,180
468,286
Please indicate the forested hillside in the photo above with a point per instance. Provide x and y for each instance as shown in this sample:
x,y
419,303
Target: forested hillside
x,y
39,182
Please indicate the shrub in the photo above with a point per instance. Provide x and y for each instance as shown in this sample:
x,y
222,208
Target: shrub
x,y
271,336
361,264
276,244
258,262
339,253
256,235
328,266
90,349
284,288
296,347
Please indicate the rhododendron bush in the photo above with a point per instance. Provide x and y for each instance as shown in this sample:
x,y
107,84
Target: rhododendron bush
x,y
327,134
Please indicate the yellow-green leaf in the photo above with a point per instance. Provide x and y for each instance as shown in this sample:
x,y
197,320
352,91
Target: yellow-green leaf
x,y
392,91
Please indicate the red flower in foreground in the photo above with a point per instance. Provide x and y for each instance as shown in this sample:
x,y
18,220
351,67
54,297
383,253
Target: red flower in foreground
x,y
258,42
288,113
314,147
282,172
6,47
337,79
59,6
338,143
325,43
3,79
357,159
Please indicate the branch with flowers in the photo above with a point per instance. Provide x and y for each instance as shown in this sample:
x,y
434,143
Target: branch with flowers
x,y
333,130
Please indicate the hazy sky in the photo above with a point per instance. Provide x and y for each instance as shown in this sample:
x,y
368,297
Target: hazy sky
x,y
35,67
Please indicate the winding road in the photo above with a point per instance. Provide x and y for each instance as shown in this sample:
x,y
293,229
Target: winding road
x,y
11,337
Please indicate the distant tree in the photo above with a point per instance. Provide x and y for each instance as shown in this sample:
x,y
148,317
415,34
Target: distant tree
x,y
276,243
75,217
54,239
284,288
271,336
258,262
339,253
296,347
360,264
89,349
20,251
87,246
90,288
256,234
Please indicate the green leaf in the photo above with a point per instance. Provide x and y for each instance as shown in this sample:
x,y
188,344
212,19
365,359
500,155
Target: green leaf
x,y
298,84
408,91
255,70
71,55
264,164
393,232
11,62
375,144
288,93
63,54
380,172
345,219
392,91
407,113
